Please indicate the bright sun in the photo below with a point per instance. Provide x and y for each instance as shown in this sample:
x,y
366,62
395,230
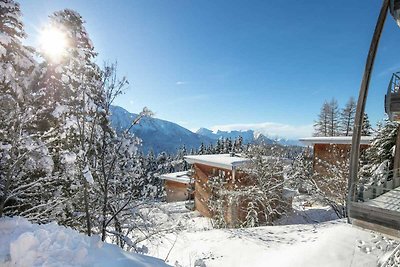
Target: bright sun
x,y
53,42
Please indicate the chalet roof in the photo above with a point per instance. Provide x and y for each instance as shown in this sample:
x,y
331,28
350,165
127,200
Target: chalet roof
x,y
180,177
365,140
224,161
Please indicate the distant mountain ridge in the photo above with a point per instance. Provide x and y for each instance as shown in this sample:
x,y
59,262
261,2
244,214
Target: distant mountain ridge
x,y
161,135
249,136
156,134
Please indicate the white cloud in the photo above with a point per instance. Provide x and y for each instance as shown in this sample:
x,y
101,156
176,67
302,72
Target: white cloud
x,y
271,129
180,82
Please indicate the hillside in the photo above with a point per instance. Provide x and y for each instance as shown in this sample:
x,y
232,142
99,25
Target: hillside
x,y
157,134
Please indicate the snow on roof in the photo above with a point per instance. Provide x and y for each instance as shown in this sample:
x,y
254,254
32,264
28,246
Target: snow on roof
x,y
225,161
365,140
180,177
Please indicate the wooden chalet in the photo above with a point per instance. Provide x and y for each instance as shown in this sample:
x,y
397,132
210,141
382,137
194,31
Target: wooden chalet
x,y
226,169
377,204
178,186
332,149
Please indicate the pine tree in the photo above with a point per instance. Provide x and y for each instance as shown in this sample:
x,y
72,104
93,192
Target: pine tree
x,y
202,149
347,117
380,155
366,129
251,216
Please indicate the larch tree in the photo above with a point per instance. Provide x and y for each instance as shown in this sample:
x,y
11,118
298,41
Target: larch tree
x,y
347,117
321,125
333,118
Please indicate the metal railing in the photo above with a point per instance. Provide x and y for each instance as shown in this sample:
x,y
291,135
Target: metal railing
x,y
372,187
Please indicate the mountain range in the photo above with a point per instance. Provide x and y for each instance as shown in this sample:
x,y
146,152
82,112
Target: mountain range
x,y
161,135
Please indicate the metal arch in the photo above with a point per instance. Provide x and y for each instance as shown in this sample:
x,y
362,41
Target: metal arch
x,y
355,145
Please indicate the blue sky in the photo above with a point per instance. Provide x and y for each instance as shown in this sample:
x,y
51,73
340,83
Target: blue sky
x,y
266,65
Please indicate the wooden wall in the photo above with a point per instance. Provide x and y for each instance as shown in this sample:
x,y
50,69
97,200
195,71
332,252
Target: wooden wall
x,y
331,153
176,191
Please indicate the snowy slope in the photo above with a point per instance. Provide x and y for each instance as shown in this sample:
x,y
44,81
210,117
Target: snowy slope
x,y
332,244
26,244
329,244
156,134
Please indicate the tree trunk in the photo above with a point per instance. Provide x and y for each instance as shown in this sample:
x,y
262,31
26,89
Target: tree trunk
x,y
86,200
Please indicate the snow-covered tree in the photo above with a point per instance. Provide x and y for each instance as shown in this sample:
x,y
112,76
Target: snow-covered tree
x,y
202,149
330,186
366,129
300,173
24,158
379,157
261,198
251,216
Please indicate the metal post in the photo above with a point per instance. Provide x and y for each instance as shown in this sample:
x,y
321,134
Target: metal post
x,y
362,97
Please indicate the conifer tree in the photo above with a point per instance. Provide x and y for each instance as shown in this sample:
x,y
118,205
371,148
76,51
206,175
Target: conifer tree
x,y
380,155
202,149
366,129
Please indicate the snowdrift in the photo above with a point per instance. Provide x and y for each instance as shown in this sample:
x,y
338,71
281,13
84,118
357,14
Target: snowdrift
x,y
25,244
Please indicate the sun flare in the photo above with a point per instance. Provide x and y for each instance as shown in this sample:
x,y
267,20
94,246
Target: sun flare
x,y
53,43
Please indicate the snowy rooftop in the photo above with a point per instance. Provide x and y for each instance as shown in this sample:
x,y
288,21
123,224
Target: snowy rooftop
x,y
180,177
225,161
365,140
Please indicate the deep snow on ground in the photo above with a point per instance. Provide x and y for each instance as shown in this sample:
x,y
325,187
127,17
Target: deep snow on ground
x,y
300,240
328,244
26,244
309,236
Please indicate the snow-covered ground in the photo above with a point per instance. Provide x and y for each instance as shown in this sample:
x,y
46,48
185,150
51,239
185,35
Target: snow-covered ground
x,y
300,240
25,244
309,236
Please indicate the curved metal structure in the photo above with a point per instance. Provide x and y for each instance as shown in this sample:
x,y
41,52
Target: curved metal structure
x,y
394,7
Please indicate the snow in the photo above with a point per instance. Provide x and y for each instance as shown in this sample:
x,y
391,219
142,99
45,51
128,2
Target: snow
x,y
68,157
59,110
26,244
365,140
329,244
304,242
225,161
180,177
389,200
88,175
